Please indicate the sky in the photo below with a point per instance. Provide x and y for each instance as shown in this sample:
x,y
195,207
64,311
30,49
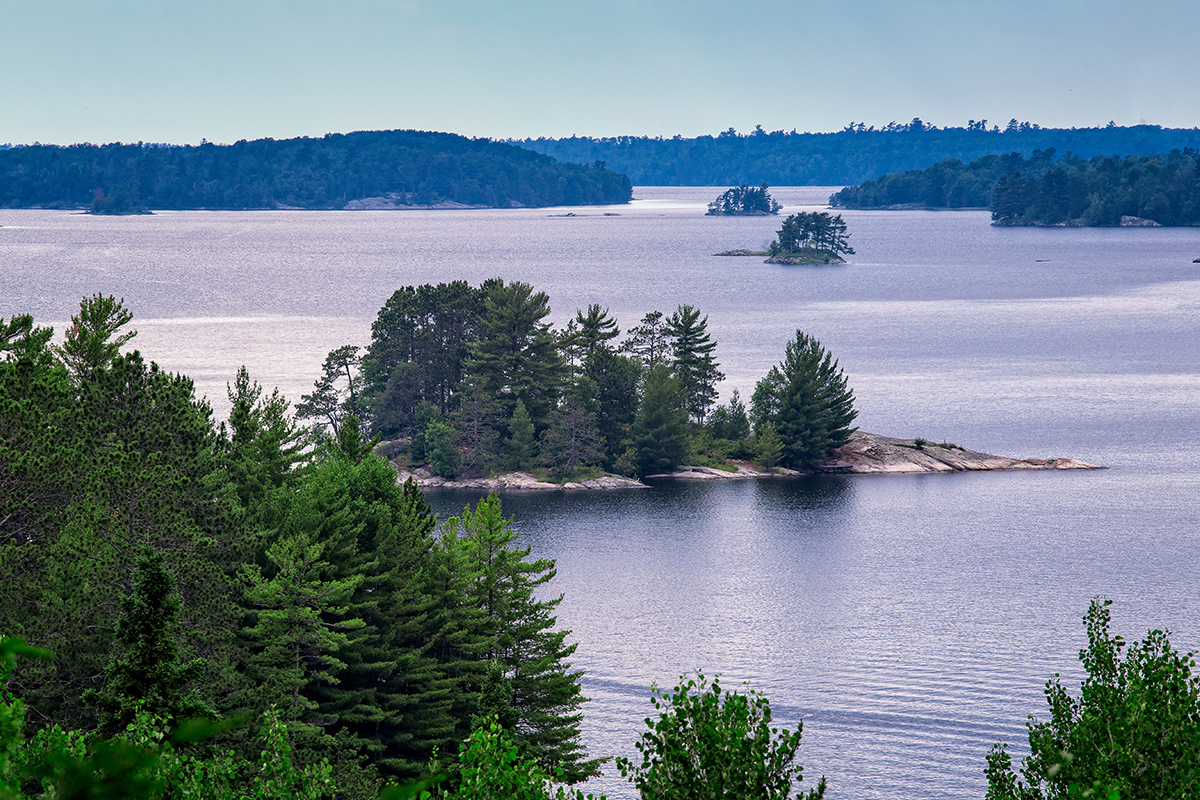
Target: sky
x,y
166,71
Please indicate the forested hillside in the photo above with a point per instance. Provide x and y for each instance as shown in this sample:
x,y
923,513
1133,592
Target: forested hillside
x,y
173,567
385,168
852,155
1043,190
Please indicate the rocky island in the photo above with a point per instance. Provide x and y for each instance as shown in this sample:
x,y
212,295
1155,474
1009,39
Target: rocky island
x,y
864,454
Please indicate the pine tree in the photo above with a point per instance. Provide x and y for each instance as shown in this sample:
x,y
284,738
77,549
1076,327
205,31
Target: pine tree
x,y
571,439
90,343
545,692
694,365
516,356
521,446
262,449
149,674
300,627
660,432
649,342
807,400
596,330
768,446
393,694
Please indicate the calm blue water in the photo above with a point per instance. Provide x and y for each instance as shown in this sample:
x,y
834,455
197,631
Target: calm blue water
x,y
910,621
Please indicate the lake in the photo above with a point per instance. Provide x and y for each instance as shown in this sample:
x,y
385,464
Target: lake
x,y
911,621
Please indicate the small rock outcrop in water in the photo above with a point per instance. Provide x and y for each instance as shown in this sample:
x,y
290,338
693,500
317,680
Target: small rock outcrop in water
x,y
870,453
864,454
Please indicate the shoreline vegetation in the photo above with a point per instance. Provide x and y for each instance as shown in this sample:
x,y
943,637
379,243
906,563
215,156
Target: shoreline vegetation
x,y
1045,191
864,454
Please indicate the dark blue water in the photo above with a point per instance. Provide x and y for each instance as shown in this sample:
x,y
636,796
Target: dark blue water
x,y
911,621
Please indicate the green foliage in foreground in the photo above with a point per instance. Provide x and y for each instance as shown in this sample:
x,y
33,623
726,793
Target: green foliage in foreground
x,y
1132,733
712,745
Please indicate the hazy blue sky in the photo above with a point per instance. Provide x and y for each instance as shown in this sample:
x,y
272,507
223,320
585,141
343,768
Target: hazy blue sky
x,y
82,70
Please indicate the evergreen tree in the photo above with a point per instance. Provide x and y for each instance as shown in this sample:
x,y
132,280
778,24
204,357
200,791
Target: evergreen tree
x,y
439,447
300,627
616,378
262,449
516,357
768,446
91,343
545,692
730,422
337,393
650,342
149,675
392,694
596,330
807,400
571,440
418,346
477,421
521,446
693,363
660,432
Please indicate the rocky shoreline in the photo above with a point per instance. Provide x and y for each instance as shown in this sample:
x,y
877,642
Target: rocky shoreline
x,y
864,454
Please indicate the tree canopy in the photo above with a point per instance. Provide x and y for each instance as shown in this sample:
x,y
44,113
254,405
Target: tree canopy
x,y
806,401
1132,732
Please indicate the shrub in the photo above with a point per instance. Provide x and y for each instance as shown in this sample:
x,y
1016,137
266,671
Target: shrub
x,y
712,745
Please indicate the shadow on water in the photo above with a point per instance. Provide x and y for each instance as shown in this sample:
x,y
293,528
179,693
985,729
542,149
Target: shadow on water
x,y
681,499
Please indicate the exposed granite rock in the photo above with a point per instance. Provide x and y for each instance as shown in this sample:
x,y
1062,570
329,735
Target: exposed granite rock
x,y
744,470
869,453
865,454
1128,221
516,482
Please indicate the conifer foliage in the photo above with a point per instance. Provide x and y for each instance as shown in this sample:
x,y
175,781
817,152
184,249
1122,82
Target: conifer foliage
x,y
807,401
149,675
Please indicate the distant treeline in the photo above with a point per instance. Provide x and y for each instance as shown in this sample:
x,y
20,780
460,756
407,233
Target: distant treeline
x,y
1043,191
849,156
402,167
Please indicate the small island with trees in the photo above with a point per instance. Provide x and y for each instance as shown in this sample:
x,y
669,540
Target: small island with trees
x,y
744,201
808,237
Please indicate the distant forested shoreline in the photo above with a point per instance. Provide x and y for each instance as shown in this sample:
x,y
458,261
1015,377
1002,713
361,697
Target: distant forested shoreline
x,y
369,169
1043,190
850,156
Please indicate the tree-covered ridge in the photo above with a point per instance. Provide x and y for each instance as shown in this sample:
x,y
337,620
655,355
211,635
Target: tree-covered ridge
x,y
850,156
397,167
1042,190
